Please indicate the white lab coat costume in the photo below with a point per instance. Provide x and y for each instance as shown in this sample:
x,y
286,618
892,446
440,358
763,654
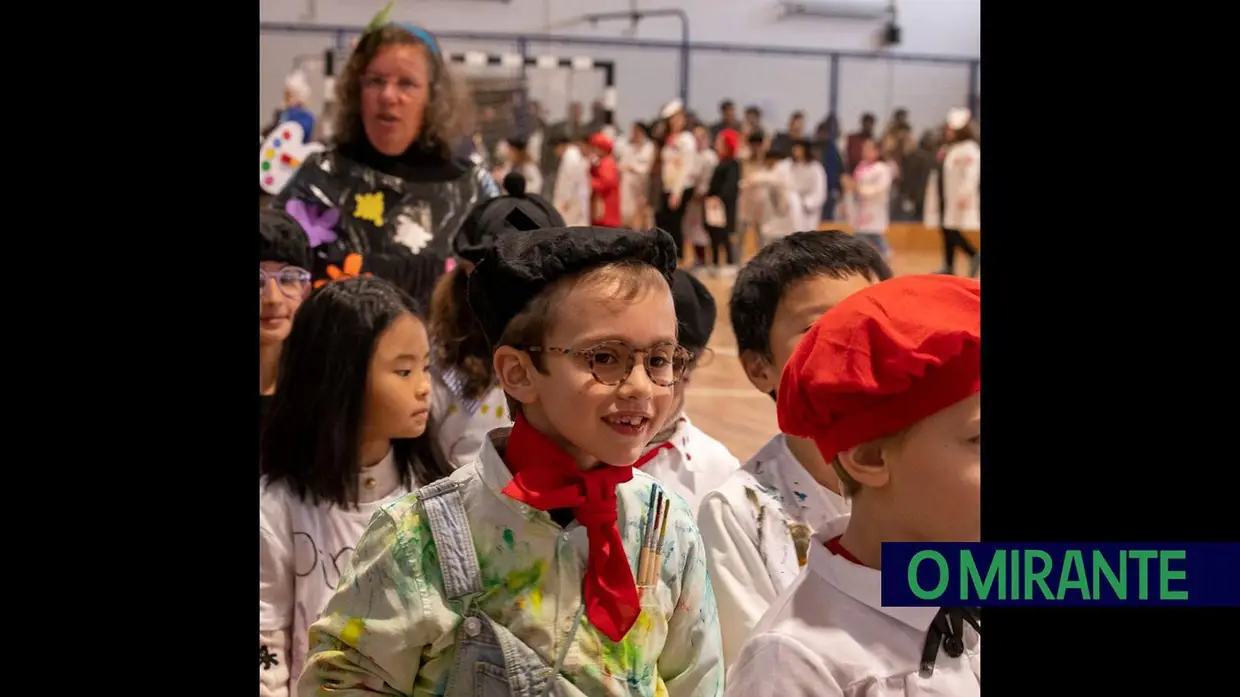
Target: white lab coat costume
x,y
679,163
635,163
771,200
751,526
962,174
533,177
810,181
871,202
691,463
828,635
572,188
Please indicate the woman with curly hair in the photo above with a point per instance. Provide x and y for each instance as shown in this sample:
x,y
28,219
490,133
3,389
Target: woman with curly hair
x,y
390,177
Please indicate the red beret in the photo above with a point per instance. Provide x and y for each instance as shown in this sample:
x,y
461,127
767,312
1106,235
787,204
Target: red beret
x,y
885,358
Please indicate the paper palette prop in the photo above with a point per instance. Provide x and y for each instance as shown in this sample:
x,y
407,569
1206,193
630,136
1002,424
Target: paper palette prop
x,y
282,153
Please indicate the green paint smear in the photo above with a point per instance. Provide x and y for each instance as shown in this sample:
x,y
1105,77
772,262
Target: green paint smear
x,y
508,539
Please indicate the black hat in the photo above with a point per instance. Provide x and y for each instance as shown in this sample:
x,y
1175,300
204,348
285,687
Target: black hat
x,y
695,310
491,218
516,268
280,238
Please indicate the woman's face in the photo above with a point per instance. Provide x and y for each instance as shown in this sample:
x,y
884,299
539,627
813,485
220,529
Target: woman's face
x,y
395,89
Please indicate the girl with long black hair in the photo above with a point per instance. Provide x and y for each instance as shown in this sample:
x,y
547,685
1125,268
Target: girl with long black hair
x,y
347,433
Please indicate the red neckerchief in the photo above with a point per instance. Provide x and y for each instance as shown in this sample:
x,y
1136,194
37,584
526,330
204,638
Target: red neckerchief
x,y
838,550
546,477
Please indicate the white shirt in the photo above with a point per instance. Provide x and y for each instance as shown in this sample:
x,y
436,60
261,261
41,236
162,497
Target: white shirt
x,y
772,199
572,188
461,425
302,550
679,167
828,635
751,527
691,463
872,210
810,180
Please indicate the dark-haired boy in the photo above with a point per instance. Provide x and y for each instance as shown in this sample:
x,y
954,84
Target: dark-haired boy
x,y
888,386
757,525
518,573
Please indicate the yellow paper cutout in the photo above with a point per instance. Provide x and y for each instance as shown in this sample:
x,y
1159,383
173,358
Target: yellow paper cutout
x,y
369,207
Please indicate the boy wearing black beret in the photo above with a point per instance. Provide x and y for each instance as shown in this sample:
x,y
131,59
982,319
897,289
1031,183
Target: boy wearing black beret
x,y
685,459
517,573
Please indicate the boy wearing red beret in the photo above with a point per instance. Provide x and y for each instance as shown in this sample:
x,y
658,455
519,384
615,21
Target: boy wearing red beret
x,y
888,386
757,525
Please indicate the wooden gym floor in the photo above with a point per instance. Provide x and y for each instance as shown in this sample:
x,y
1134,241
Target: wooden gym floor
x,y
723,403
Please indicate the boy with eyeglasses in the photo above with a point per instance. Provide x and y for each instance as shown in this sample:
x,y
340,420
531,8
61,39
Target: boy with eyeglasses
x,y
534,570
283,282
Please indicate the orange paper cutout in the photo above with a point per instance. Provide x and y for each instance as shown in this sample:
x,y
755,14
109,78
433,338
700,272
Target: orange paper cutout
x,y
352,269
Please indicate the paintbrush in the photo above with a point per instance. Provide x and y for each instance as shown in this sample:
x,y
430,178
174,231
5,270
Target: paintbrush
x,y
657,560
643,557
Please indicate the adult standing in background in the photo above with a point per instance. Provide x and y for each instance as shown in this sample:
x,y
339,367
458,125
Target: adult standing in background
x,y
391,177
678,169
953,196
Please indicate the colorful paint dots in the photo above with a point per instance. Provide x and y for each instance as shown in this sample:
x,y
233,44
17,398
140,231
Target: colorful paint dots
x,y
276,142
269,180
286,137
269,154
266,166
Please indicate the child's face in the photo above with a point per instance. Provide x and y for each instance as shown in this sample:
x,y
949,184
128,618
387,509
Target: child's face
x,y
869,151
802,304
583,412
933,476
398,384
279,300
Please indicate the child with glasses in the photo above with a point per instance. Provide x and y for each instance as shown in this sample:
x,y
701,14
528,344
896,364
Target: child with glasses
x,y
525,571
283,282
686,460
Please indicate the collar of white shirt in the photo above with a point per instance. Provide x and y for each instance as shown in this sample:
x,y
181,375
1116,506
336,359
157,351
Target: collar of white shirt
x,y
858,582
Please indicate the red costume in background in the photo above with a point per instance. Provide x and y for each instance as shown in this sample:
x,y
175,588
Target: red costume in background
x,y
604,185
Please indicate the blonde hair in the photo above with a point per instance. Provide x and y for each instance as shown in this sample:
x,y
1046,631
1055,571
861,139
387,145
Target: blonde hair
x,y
449,109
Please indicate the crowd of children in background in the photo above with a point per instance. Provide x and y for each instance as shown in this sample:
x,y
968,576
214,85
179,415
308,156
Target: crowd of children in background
x,y
773,183
503,492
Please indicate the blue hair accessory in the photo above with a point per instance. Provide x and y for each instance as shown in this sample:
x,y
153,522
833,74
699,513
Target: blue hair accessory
x,y
381,20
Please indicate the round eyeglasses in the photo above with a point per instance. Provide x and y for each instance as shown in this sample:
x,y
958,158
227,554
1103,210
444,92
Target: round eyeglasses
x,y
291,281
611,362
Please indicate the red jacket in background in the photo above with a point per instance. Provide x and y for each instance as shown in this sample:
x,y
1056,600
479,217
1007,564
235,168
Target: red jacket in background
x,y
604,185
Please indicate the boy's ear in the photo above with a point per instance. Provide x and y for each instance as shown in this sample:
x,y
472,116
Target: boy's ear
x,y
867,465
760,372
515,374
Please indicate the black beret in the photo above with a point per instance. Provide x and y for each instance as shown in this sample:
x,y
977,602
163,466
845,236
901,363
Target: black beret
x,y
280,238
492,218
516,268
695,310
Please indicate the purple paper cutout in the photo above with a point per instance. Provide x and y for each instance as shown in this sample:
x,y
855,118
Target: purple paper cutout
x,y
318,226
